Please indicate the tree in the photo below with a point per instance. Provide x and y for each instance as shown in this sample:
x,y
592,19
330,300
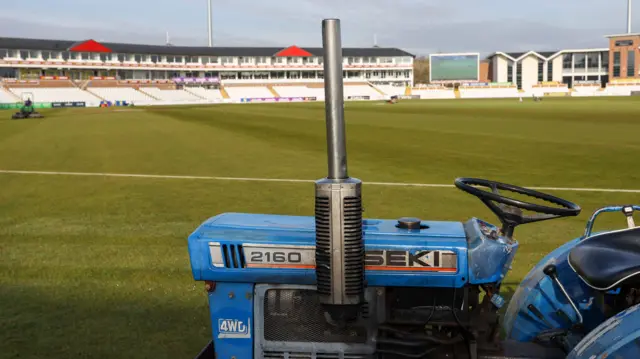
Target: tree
x,y
421,70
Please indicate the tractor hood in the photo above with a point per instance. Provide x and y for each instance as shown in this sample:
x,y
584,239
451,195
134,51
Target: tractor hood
x,y
241,247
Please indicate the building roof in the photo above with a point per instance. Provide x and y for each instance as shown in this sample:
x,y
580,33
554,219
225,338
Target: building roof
x,y
66,45
622,35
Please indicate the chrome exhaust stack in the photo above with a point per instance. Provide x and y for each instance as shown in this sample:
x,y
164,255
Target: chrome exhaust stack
x,y
338,203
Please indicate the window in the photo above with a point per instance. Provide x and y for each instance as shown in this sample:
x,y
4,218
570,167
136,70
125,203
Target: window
x,y
550,70
580,61
519,76
121,57
54,55
593,60
84,56
24,54
605,61
510,73
3,53
179,59
540,70
154,58
631,63
103,57
616,64
46,55
566,61
137,58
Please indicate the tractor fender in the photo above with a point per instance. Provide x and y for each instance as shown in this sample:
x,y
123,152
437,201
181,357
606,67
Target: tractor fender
x,y
539,305
617,337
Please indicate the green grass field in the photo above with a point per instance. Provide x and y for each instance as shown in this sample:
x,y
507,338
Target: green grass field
x,y
97,267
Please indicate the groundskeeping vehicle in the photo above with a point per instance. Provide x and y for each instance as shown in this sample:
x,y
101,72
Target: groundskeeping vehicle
x,y
338,286
27,110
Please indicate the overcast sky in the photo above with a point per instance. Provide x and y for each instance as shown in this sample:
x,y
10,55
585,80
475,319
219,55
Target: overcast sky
x,y
418,26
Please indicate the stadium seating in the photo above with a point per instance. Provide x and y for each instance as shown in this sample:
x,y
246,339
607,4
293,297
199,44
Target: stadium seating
x,y
620,89
172,96
391,90
300,91
584,91
60,94
436,93
6,97
240,92
127,94
488,92
550,89
357,90
209,94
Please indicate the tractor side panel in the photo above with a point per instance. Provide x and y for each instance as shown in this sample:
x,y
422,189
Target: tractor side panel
x,y
618,337
538,304
231,309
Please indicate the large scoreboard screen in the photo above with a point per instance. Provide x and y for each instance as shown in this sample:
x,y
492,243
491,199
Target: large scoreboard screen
x,y
454,67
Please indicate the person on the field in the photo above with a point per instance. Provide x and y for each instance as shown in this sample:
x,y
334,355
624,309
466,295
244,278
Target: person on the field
x,y
28,103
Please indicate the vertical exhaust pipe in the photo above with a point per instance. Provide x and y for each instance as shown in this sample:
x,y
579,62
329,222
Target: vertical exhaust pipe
x,y
628,16
338,203
209,24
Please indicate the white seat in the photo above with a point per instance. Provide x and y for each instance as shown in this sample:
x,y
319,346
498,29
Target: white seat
x,y
360,90
209,94
240,92
173,96
6,97
300,91
391,90
434,93
127,94
487,92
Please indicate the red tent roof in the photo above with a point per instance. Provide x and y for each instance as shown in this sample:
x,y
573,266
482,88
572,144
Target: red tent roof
x,y
293,51
89,46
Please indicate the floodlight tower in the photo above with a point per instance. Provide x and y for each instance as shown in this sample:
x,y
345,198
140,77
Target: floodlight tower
x,y
210,24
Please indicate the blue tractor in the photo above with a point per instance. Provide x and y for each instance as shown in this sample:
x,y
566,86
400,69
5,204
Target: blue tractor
x,y
337,286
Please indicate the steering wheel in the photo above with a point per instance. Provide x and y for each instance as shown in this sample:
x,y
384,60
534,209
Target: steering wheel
x,y
509,210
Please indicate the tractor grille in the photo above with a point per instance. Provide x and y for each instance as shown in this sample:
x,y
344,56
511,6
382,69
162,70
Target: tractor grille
x,y
233,256
296,315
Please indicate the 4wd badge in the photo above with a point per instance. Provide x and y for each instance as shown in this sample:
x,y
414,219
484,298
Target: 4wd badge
x,y
234,328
